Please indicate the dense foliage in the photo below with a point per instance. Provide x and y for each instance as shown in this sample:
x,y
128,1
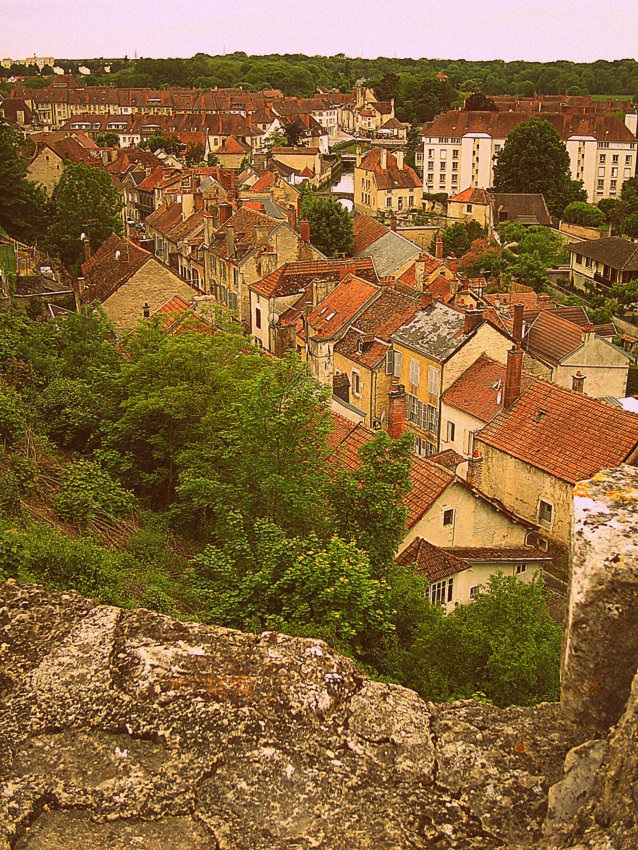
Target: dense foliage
x,y
331,229
534,159
22,203
193,475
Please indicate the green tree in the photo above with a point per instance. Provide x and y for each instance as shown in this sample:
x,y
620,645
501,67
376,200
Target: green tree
x,y
331,229
108,140
458,238
84,201
630,225
614,210
23,205
212,159
530,270
195,155
168,144
535,160
584,214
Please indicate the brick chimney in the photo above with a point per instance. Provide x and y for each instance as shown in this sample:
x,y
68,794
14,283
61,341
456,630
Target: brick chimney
x,y
475,469
393,223
452,263
267,262
261,235
517,331
425,299
578,381
199,201
383,159
225,212
346,269
438,253
399,158
87,249
396,410
209,227
419,271
304,230
473,318
588,332
513,375
291,212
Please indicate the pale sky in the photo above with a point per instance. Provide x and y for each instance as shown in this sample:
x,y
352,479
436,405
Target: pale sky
x,y
542,30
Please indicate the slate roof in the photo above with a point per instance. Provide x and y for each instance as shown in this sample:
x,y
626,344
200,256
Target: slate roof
x,y
428,480
615,252
436,332
366,231
293,278
526,208
564,433
105,273
390,252
429,561
479,390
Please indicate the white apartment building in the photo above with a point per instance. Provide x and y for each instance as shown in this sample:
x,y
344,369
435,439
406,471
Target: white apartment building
x,y
459,150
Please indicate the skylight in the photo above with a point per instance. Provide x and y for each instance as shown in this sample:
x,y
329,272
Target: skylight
x,y
330,315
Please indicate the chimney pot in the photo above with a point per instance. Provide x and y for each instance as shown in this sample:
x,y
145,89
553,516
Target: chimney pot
x,y
439,246
578,381
147,310
425,299
473,318
396,410
230,241
517,331
475,469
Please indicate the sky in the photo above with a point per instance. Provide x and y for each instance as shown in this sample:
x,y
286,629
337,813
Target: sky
x,y
540,30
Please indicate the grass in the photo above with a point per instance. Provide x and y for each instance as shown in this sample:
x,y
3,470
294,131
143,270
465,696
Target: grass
x,y
612,97
7,258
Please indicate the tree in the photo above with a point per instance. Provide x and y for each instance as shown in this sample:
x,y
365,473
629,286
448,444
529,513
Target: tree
x,y
614,210
331,229
84,201
413,143
108,140
276,139
480,102
630,225
367,503
530,270
293,133
168,144
584,214
23,205
195,154
534,159
212,159
458,238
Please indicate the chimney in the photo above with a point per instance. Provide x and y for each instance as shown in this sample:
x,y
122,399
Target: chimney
x,y
81,285
358,156
475,469
452,263
209,227
439,246
230,241
425,299
188,205
299,208
513,375
396,410
304,230
393,223
147,310
87,249
261,235
517,332
419,271
578,381
399,158
346,269
199,201
383,159
588,332
473,318
225,212
291,212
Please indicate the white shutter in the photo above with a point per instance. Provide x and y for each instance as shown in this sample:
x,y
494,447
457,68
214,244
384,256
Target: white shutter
x,y
398,364
389,362
433,380
415,372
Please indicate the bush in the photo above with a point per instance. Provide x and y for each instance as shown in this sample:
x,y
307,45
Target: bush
x,y
88,491
10,505
587,215
12,417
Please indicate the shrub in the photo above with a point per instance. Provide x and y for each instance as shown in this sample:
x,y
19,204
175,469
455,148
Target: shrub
x,y
12,417
87,491
584,214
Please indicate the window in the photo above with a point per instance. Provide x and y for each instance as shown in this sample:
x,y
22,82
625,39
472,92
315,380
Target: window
x,y
612,186
258,318
601,171
388,201
474,592
497,148
601,186
431,165
398,364
442,166
431,153
545,511
455,153
448,516
400,203
603,158
356,383
415,372
588,262
520,568
467,441
443,154
468,208
441,591
455,166
451,430
579,258
614,158
628,160
614,172
433,381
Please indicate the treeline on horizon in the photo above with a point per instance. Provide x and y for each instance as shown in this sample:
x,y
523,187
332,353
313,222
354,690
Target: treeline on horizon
x,y
298,74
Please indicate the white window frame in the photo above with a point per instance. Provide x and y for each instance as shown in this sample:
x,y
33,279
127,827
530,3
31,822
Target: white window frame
x,y
441,592
415,372
544,522
356,391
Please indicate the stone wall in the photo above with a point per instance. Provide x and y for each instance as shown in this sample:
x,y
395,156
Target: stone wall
x,y
124,729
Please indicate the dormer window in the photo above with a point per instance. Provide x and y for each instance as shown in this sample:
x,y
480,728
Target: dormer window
x,y
330,315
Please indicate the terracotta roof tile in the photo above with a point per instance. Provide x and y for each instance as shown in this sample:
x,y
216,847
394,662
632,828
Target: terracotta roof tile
x,y
292,278
563,433
108,270
479,390
551,338
340,307
366,231
429,561
614,251
390,177
447,458
470,196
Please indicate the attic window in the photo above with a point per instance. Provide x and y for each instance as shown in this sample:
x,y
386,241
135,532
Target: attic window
x,y
539,415
322,311
330,315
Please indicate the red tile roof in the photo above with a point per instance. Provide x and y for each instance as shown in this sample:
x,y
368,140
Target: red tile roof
x,y
429,561
232,145
529,300
390,177
341,305
470,196
479,390
552,338
428,480
499,553
293,278
265,182
366,231
244,222
563,433
447,458
110,267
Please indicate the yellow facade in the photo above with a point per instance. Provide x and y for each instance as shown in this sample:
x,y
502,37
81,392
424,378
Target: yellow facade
x,y
46,169
371,200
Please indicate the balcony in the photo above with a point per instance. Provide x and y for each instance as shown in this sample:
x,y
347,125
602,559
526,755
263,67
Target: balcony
x,y
605,282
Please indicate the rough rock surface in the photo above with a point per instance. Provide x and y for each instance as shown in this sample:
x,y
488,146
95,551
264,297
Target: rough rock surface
x,y
126,729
